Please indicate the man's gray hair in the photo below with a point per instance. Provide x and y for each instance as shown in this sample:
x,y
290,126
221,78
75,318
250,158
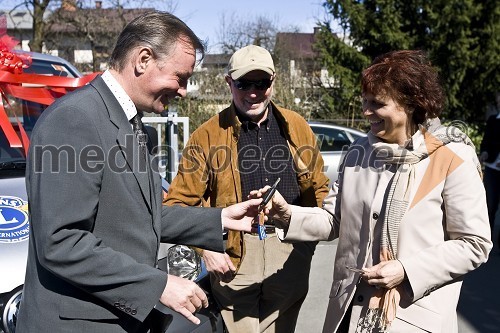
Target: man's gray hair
x,y
159,31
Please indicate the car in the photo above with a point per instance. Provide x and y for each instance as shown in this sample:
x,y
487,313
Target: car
x,y
14,222
14,219
46,64
333,141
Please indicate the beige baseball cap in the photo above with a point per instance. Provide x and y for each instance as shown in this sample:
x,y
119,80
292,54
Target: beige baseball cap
x,y
250,58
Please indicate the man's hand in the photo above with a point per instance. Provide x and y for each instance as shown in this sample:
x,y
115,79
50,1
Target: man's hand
x,y
184,296
219,264
240,216
386,274
279,209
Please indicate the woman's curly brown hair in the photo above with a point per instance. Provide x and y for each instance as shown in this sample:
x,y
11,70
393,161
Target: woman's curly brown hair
x,y
408,78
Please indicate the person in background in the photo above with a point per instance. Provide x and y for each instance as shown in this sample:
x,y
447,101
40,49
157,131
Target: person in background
x,y
490,157
260,284
409,209
96,219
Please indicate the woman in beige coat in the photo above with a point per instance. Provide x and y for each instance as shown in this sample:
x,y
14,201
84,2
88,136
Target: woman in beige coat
x,y
409,209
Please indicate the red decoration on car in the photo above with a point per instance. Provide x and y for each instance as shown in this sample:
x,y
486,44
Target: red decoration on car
x,y
36,88
9,61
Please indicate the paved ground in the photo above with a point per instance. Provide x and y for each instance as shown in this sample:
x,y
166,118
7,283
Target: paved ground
x,y
478,308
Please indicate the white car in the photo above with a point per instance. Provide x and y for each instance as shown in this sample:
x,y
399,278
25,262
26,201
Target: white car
x,y
333,141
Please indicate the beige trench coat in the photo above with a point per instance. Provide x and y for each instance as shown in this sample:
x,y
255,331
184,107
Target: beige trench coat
x,y
443,235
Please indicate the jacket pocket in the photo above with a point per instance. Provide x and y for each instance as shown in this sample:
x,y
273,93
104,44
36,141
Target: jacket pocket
x,y
420,317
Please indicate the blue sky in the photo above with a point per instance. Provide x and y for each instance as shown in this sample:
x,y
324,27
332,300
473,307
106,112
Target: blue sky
x,y
204,16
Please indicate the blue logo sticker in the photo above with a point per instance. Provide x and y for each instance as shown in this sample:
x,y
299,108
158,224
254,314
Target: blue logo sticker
x,y
14,224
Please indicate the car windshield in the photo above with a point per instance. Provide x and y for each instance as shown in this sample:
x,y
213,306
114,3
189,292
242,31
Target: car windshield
x,y
25,113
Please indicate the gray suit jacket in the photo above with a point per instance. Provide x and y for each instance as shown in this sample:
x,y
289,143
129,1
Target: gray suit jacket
x,y
95,227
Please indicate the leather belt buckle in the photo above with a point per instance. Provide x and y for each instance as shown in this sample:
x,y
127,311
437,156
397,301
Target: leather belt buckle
x,y
270,229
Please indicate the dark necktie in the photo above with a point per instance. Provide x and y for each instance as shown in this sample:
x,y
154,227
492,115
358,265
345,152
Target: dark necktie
x,y
142,137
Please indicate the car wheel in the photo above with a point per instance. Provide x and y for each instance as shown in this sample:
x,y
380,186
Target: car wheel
x,y
9,308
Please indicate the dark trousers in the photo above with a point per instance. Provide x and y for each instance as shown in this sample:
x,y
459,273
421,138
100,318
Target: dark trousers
x,y
491,181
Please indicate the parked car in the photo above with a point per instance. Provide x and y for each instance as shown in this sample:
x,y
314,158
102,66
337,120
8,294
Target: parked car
x,y
333,141
47,64
14,220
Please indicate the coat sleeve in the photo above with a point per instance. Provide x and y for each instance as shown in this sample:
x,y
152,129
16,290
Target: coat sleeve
x,y
309,153
320,180
190,183
194,226
313,223
467,240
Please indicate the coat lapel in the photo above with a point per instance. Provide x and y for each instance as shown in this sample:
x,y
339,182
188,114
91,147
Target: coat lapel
x,y
125,138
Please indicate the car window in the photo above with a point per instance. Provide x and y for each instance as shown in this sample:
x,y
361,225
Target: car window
x,y
331,139
355,136
8,153
49,68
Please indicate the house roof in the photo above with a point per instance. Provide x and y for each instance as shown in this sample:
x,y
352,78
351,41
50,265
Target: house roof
x,y
216,60
95,19
295,45
17,19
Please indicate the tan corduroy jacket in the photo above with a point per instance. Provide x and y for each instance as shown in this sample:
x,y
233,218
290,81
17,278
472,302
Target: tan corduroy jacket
x,y
208,172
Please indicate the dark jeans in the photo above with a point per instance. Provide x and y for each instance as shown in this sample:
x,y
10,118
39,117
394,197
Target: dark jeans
x,y
491,181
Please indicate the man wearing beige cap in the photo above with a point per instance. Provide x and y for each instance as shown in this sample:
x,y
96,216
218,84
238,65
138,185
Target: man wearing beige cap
x,y
259,282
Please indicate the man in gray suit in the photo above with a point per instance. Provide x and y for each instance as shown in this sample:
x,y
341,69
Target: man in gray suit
x,y
95,205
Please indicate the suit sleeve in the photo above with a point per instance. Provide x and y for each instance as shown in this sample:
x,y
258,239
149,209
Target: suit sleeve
x,y
64,203
320,180
195,226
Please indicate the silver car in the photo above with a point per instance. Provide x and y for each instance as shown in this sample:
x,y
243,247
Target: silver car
x,y
333,141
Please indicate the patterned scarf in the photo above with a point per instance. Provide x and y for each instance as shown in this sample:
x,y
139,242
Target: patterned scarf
x,y
386,300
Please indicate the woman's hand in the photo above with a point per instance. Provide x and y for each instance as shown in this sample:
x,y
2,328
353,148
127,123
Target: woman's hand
x,y
386,274
279,209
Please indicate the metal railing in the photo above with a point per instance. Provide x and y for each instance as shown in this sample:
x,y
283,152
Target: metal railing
x,y
168,141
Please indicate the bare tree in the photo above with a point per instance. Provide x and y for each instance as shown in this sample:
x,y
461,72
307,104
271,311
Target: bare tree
x,y
38,10
86,25
58,23
236,32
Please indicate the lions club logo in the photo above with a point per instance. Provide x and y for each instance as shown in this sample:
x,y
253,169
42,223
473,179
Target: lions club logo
x,y
14,224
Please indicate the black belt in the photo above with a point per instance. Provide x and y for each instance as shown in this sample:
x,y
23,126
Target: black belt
x,y
270,229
